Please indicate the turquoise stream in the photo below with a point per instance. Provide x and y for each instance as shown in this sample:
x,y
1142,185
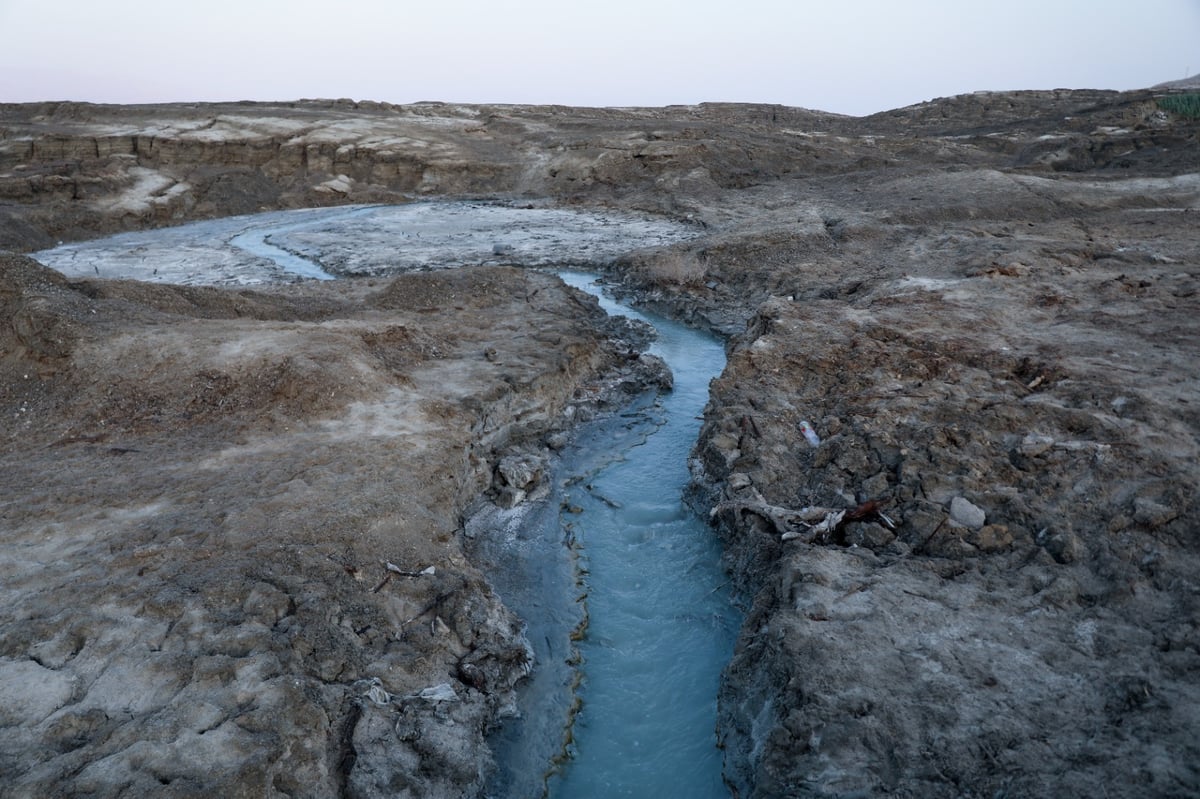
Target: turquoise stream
x,y
660,623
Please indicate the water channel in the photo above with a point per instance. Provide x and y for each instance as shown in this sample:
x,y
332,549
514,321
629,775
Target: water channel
x,y
660,622
619,580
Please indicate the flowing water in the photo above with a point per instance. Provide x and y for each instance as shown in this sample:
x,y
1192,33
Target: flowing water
x,y
660,622
619,580
627,609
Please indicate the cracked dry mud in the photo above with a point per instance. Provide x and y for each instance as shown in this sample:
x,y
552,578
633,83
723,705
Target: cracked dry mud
x,y
985,306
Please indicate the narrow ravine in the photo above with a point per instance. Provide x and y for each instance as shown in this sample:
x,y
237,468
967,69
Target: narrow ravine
x,y
626,603
660,623
619,581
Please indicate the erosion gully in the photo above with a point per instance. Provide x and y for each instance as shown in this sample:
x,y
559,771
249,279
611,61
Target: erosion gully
x,y
618,579
632,629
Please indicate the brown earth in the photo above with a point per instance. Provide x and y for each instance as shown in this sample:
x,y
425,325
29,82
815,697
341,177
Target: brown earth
x,y
986,306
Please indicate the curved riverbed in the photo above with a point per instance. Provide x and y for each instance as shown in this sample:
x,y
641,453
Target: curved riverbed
x,y
381,240
620,582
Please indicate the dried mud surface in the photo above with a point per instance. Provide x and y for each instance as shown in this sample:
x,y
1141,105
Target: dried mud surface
x,y
1047,644
231,520
985,306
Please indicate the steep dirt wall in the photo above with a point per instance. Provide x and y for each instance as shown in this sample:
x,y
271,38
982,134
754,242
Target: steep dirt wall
x,y
981,578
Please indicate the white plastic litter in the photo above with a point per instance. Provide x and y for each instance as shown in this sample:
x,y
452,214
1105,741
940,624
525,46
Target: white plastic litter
x,y
443,692
378,695
810,435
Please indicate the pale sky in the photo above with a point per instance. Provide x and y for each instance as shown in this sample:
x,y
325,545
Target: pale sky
x,y
848,56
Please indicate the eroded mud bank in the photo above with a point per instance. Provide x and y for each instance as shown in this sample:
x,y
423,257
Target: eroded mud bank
x,y
231,525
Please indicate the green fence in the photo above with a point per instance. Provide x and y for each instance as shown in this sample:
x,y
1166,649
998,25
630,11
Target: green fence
x,y
1185,105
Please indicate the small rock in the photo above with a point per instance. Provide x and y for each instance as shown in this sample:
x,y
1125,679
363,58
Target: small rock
x,y
521,471
868,535
1063,545
1062,592
737,481
965,514
875,487
991,538
653,371
516,477
925,519
1151,513
1033,445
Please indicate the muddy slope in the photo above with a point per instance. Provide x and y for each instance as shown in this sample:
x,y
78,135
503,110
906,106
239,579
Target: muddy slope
x,y
982,580
1014,607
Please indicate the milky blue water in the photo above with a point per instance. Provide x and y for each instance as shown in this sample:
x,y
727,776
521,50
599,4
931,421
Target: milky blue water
x,y
661,626
256,240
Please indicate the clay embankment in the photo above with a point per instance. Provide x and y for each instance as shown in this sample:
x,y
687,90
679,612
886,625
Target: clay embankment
x,y
1005,368
73,170
70,170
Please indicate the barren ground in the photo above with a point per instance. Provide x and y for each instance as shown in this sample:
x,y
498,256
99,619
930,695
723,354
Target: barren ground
x,y
985,306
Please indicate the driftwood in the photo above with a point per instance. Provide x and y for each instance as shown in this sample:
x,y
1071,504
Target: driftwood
x,y
805,523
808,524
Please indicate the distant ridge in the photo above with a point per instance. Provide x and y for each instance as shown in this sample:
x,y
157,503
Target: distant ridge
x,y
1183,83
